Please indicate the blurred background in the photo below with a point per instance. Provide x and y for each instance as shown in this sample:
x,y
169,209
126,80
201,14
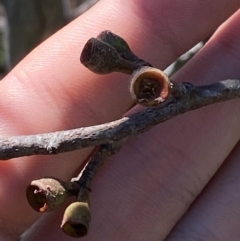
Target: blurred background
x,y
25,24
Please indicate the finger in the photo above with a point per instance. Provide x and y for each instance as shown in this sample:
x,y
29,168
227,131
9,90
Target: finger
x,y
149,185
215,214
59,94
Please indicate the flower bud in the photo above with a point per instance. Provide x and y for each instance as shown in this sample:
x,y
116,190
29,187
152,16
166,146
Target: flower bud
x,y
76,219
48,194
109,53
149,86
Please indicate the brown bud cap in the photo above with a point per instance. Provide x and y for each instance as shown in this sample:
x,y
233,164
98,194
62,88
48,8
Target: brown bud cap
x,y
48,194
76,219
109,53
149,86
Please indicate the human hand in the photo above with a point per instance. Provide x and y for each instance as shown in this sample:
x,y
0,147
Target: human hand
x,y
145,189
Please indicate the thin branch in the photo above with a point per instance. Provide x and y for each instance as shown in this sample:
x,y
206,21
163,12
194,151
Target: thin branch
x,y
77,216
189,98
96,161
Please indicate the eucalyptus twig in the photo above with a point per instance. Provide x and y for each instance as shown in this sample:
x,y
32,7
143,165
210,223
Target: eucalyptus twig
x,y
149,87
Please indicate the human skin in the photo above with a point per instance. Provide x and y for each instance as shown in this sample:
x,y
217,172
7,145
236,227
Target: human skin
x,y
144,192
